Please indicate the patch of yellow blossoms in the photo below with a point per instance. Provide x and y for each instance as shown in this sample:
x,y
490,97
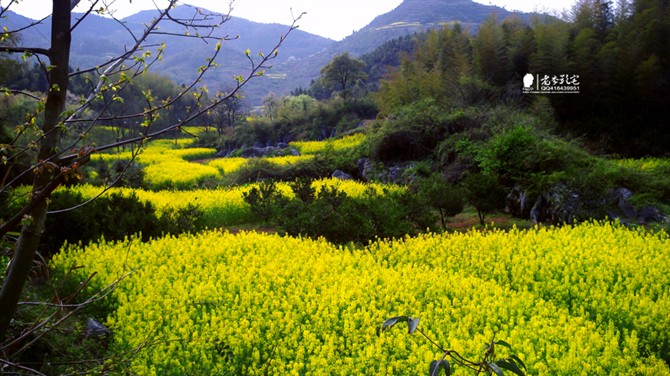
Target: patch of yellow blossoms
x,y
591,299
340,144
223,206
168,163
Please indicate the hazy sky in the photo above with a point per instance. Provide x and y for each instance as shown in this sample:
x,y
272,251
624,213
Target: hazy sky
x,y
334,19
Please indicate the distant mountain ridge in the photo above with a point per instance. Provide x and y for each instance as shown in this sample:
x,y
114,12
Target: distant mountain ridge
x,y
300,59
411,16
98,38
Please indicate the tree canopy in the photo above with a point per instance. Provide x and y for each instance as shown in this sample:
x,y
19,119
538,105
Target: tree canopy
x,y
620,52
343,73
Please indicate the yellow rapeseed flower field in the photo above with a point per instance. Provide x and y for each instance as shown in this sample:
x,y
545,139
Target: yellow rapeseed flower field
x,y
223,206
651,166
589,299
171,163
315,147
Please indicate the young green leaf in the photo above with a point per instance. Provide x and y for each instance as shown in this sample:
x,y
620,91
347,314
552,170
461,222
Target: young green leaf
x,y
436,365
392,321
412,324
510,366
516,360
503,343
494,367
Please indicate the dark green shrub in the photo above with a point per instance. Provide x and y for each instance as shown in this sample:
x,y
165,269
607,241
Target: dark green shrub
x,y
303,189
208,139
410,133
485,193
123,173
187,219
256,170
332,214
324,163
448,199
129,175
342,219
326,215
72,226
265,200
114,216
391,214
508,154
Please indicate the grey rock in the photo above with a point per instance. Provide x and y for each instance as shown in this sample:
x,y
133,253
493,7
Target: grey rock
x,y
650,214
294,152
519,204
619,206
627,209
538,212
95,329
623,193
365,168
338,174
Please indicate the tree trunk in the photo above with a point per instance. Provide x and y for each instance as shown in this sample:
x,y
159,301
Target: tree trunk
x,y
31,232
443,219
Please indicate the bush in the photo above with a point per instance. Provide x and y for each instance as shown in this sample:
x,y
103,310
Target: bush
x,y
256,170
264,200
508,154
448,199
343,219
188,219
410,133
485,193
126,175
334,215
208,139
113,217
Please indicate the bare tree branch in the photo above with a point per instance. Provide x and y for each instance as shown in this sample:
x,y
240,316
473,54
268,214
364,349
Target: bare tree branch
x,y
17,31
257,69
25,50
21,92
90,9
22,368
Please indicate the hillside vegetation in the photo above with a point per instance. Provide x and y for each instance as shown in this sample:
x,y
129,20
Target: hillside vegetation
x,y
420,180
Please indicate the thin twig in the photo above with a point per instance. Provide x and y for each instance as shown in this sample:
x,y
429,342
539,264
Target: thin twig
x,y
20,367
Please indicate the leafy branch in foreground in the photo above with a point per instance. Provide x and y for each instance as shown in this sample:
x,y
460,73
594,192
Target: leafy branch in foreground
x,y
38,149
488,365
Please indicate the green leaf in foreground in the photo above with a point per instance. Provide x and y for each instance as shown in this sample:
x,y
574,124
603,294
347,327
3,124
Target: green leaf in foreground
x,y
510,366
494,367
436,365
412,323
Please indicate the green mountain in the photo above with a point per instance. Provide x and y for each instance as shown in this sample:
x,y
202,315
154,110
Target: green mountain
x,y
300,59
415,16
410,17
97,39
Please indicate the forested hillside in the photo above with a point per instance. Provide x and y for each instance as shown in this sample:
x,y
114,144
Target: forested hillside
x,y
298,63
619,56
503,190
